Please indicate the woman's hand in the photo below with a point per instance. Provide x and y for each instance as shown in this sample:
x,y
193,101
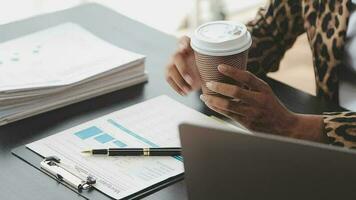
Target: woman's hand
x,y
257,108
181,72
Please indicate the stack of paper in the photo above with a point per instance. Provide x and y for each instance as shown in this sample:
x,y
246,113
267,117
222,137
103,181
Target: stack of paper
x,y
59,66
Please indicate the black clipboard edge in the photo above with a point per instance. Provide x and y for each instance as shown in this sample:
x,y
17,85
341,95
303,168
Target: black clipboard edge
x,y
33,159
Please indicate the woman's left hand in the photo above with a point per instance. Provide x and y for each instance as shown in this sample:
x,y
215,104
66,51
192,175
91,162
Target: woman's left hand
x,y
257,108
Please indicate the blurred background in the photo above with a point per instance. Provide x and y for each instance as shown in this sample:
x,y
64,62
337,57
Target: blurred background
x,y
179,17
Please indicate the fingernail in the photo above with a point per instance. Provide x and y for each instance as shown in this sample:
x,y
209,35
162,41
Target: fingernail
x,y
188,79
209,85
222,67
202,97
185,89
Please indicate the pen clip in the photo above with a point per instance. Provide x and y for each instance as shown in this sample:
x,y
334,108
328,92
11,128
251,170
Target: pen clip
x,y
64,174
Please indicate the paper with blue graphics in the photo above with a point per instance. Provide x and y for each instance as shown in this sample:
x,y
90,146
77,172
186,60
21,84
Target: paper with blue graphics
x,y
153,123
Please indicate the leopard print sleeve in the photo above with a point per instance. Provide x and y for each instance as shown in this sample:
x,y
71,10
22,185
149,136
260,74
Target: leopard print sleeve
x,y
274,31
340,127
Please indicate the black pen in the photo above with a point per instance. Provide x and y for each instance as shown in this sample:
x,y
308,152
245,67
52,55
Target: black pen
x,y
170,151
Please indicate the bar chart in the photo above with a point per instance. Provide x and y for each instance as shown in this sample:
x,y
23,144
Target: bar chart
x,y
99,136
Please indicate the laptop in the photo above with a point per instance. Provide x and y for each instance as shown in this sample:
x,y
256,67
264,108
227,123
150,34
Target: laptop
x,y
225,164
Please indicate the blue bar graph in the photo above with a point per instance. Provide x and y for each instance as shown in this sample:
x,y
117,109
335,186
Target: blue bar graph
x,y
104,138
88,132
119,143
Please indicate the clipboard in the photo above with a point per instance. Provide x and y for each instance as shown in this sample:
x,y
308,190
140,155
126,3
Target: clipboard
x,y
34,159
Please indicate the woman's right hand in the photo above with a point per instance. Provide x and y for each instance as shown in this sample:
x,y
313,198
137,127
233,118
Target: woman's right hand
x,y
181,72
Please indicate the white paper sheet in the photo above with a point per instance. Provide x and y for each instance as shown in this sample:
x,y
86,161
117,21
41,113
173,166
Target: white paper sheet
x,y
153,123
57,56
37,107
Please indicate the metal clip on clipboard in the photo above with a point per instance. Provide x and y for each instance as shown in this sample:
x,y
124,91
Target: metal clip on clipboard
x,y
53,166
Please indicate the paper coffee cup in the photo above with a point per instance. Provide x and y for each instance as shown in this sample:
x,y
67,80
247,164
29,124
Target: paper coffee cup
x,y
219,42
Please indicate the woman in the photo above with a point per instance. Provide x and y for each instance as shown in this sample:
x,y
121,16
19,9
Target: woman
x,y
274,31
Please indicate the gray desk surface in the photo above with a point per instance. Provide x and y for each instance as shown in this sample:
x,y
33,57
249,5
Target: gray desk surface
x,y
21,181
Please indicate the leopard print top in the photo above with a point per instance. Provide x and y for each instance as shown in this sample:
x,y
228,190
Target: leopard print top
x,y
275,29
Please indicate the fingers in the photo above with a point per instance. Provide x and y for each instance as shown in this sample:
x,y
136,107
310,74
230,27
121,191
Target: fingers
x,y
175,86
244,77
184,70
228,114
241,119
174,78
233,106
184,45
233,110
233,91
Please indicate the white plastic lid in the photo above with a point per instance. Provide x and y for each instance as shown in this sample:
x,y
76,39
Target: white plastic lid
x,y
221,38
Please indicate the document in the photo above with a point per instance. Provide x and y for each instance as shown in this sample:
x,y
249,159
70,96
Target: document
x,y
61,65
153,123
58,56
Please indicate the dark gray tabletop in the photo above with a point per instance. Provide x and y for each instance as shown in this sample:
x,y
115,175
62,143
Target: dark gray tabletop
x,y
19,180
